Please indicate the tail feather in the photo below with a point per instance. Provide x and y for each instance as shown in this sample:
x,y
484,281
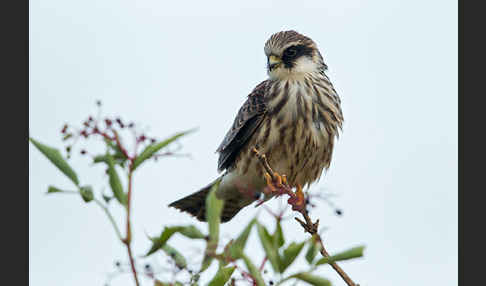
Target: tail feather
x,y
195,204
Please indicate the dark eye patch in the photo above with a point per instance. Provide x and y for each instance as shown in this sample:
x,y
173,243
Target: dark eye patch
x,y
294,52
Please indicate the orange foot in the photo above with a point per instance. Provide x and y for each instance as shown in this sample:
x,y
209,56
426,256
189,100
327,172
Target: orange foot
x,y
297,200
277,182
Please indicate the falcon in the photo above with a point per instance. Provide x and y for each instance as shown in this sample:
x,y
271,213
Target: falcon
x,y
293,117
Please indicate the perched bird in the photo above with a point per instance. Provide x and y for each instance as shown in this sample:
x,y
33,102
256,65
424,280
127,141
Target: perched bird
x,y
293,117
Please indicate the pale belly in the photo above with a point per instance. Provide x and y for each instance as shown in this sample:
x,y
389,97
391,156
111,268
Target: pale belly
x,y
300,150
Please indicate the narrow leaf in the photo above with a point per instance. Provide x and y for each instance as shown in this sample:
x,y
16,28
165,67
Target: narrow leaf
x,y
206,262
236,248
222,276
312,279
192,232
86,193
312,251
151,149
119,159
188,231
278,236
254,271
52,189
348,254
159,242
289,255
270,250
67,136
115,182
179,260
160,283
214,206
56,158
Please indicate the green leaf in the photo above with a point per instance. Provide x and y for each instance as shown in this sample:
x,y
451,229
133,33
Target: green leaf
x,y
222,276
236,248
214,206
86,193
115,182
159,242
160,283
192,232
348,254
267,243
100,159
118,158
56,158
52,189
206,262
112,145
278,236
188,231
312,279
254,271
289,254
312,251
179,260
151,149
106,198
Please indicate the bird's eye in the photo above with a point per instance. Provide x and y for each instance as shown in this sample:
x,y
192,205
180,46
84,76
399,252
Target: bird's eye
x,y
291,52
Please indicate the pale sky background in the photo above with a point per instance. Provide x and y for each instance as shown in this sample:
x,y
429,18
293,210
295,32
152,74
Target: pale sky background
x,y
183,64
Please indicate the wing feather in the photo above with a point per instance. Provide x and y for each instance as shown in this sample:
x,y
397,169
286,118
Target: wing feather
x,y
247,120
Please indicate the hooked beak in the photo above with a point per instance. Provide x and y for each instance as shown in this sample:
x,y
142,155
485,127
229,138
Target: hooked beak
x,y
273,62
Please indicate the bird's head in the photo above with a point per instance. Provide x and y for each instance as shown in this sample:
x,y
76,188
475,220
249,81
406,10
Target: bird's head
x,y
292,55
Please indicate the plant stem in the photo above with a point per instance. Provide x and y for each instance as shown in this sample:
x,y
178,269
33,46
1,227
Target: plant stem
x,y
112,220
128,239
312,229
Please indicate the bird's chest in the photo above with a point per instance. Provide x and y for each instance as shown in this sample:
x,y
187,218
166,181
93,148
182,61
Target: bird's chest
x,y
295,140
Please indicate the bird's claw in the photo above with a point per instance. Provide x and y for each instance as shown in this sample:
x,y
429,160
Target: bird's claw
x,y
297,200
275,182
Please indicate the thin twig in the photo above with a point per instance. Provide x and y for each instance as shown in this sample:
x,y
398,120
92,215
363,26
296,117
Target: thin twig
x,y
112,220
308,225
263,263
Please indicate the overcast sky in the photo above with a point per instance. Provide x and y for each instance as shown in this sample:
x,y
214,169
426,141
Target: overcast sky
x,y
176,65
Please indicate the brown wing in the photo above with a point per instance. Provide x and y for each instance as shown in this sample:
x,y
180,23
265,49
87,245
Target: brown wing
x,y
246,122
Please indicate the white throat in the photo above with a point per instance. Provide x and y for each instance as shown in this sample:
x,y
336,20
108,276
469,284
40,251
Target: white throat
x,y
302,67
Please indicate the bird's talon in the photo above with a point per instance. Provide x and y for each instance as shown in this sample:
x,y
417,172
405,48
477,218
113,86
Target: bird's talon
x,y
299,192
269,180
278,179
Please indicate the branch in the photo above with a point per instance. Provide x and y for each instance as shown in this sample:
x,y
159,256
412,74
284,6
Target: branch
x,y
299,205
